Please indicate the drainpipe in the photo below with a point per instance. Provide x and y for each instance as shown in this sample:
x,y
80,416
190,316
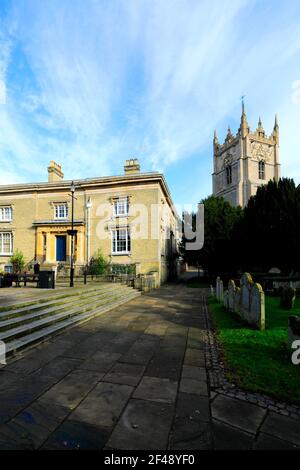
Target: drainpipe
x,y
88,229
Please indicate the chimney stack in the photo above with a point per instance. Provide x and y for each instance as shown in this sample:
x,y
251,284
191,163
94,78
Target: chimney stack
x,y
54,172
132,166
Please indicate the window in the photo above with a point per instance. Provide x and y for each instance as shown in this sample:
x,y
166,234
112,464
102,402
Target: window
x,y
5,214
6,243
121,241
8,268
261,170
229,174
61,211
121,206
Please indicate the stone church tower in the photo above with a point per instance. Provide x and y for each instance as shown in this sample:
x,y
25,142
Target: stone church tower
x,y
245,161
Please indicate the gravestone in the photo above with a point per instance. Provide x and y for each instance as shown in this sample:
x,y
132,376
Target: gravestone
x,y
257,307
226,299
293,329
246,286
221,291
231,295
218,280
237,300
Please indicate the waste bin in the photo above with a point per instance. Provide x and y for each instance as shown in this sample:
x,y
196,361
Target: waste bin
x,y
46,280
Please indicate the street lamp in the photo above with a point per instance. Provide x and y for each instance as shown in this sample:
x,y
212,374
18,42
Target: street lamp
x,y
72,236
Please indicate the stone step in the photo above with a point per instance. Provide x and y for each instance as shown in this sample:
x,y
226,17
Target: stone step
x,y
15,332
42,334
44,295
57,299
25,317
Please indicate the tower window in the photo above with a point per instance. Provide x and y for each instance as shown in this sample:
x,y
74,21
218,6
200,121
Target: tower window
x,y
261,170
229,174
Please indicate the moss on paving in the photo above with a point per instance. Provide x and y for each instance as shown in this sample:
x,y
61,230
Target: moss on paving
x,y
259,361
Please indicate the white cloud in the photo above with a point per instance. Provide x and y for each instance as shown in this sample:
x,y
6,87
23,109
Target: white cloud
x,y
2,92
106,80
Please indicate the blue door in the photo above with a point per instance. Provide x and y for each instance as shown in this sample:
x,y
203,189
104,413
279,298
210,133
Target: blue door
x,y
61,247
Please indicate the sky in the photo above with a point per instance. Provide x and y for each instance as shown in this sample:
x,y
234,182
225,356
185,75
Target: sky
x,y
91,83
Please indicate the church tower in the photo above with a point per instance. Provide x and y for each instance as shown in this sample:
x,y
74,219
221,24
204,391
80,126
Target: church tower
x,y
245,161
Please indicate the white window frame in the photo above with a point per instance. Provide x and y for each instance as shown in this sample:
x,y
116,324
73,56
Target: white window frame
x,y
57,209
121,206
5,213
8,268
2,244
114,241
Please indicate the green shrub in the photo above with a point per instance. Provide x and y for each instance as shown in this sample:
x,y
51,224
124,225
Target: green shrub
x,y
18,261
287,298
98,263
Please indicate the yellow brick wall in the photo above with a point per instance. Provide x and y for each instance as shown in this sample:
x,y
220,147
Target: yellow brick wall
x,y
29,207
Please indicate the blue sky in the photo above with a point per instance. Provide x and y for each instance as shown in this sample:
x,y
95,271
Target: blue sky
x,y
90,83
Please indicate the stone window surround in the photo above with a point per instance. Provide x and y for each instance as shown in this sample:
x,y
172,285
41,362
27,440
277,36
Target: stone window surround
x,y
10,253
113,231
118,202
2,211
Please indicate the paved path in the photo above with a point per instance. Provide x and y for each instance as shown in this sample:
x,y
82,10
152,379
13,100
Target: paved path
x,y
134,378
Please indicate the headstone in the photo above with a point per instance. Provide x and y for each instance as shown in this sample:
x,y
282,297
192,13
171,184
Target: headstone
x,y
257,307
212,290
293,329
237,300
218,280
221,291
231,295
226,299
246,286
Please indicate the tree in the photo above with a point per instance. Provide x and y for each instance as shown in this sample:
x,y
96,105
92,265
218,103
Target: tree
x,y
18,261
269,232
98,263
217,254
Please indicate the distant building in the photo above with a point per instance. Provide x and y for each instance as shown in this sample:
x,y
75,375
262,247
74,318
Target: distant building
x,y
131,218
245,161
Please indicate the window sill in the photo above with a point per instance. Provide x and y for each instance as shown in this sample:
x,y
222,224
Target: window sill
x,y
123,253
6,254
121,215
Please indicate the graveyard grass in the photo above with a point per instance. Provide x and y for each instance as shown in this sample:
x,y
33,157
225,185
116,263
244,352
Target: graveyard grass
x,y
259,361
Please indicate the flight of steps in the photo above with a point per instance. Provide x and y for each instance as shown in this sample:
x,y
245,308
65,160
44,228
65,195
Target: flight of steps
x,y
22,325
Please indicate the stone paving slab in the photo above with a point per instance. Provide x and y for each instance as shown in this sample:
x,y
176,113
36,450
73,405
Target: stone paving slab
x,y
143,425
282,427
237,413
156,389
135,378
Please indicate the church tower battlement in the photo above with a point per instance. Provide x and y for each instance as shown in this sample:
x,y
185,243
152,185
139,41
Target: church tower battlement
x,y
245,161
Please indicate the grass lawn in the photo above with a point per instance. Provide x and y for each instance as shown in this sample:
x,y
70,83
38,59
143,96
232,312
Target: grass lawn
x,y
198,282
259,361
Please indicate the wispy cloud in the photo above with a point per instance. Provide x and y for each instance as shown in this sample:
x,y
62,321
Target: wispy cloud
x,y
90,83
